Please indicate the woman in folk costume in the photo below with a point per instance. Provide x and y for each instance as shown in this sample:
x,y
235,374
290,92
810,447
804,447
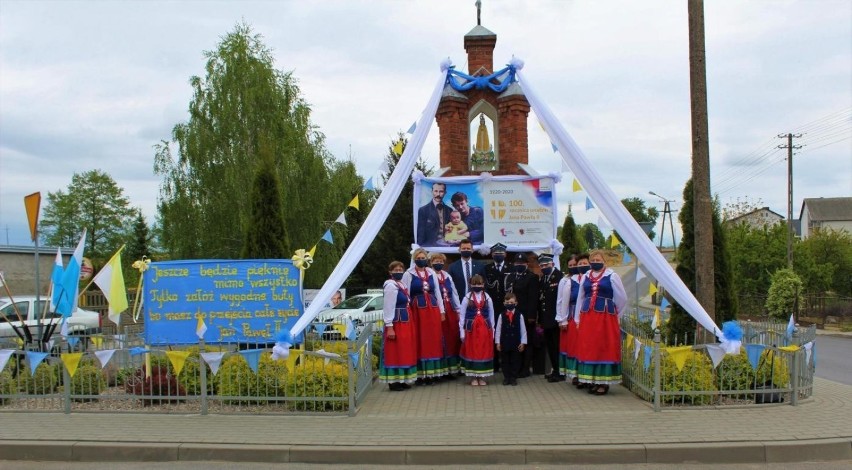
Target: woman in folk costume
x,y
398,366
569,330
427,305
600,302
452,342
476,328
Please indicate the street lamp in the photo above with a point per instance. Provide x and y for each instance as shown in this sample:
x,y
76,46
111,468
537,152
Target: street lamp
x,y
667,210
646,227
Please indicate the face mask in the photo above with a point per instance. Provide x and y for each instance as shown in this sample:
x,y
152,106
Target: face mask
x,y
499,258
583,269
519,268
466,253
573,270
421,263
438,266
547,271
476,288
510,306
397,276
597,266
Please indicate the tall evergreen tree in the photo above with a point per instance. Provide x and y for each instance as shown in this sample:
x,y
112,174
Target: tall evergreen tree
x,y
681,324
570,238
266,236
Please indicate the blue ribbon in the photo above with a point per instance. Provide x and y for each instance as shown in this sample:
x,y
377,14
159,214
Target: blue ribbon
x,y
483,82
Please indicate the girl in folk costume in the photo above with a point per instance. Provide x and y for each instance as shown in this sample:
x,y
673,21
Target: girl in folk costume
x,y
452,342
398,366
476,328
600,302
569,330
427,305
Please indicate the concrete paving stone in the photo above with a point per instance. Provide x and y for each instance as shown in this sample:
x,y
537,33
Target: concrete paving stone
x,y
234,453
353,455
465,455
124,452
725,452
574,455
35,450
809,451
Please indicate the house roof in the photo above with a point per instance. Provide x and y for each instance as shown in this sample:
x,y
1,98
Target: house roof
x,y
828,208
762,209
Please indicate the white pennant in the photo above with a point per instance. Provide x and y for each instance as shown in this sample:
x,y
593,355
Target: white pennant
x,y
636,346
213,359
104,356
716,352
5,354
639,274
808,346
341,219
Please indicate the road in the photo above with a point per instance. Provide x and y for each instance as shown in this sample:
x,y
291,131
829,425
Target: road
x,y
833,358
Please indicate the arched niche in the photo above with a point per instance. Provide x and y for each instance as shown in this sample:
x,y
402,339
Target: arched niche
x,y
480,160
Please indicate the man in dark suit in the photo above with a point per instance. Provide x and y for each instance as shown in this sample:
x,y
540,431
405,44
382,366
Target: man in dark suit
x,y
432,217
524,284
473,217
495,285
548,291
462,270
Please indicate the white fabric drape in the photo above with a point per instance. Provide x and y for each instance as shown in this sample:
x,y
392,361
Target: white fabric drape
x,y
611,207
376,219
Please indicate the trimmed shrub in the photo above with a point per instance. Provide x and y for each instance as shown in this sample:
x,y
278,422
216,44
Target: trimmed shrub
x,y
696,375
735,372
88,380
236,379
784,294
314,378
8,386
44,381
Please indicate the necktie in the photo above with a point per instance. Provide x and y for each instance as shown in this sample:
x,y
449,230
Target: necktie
x,y
510,314
467,276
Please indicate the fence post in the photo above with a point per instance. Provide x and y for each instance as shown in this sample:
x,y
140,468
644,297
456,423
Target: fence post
x,y
794,379
66,377
351,378
657,369
202,369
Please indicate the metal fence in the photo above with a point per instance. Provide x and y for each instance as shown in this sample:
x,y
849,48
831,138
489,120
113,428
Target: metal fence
x,y
327,375
771,368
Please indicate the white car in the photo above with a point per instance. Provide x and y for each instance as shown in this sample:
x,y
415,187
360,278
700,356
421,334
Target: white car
x,y
81,322
362,309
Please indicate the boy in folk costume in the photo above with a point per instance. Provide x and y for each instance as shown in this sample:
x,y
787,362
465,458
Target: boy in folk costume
x,y
511,339
477,333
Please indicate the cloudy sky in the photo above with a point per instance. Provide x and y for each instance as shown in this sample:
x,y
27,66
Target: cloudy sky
x,y
95,84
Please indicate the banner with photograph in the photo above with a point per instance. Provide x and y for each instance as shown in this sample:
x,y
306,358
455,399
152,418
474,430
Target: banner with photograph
x,y
518,211
246,301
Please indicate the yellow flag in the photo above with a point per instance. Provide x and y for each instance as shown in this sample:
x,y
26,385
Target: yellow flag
x,y
111,281
575,186
614,242
71,361
652,289
679,355
791,348
97,340
178,359
656,323
397,148
629,339
313,251
32,203
354,202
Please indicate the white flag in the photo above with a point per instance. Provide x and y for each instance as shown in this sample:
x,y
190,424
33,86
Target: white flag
x,y
213,359
716,352
104,356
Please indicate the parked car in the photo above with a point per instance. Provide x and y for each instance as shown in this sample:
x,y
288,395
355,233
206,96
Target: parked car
x,y
362,309
81,322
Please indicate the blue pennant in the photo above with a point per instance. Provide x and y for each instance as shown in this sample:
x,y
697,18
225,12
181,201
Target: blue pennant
x,y
552,145
413,126
138,350
369,184
664,303
327,237
355,356
35,359
320,327
627,257
73,341
647,359
589,204
252,356
754,351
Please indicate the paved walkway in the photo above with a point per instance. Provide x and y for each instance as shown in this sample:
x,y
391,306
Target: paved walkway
x,y
454,423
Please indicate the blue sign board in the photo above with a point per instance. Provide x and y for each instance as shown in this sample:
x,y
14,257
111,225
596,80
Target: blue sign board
x,y
245,301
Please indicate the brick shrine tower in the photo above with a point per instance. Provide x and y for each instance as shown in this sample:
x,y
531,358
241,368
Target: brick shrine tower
x,y
507,111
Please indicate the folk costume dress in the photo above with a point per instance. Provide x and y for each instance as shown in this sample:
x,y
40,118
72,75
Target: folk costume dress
x,y
452,341
427,305
399,355
600,301
476,327
570,335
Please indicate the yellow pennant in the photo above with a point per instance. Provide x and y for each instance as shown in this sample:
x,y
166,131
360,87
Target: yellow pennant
x,y
614,242
380,324
652,289
679,355
629,340
313,251
147,366
354,202
791,348
97,340
397,148
178,359
575,186
71,361
291,359
340,328
32,204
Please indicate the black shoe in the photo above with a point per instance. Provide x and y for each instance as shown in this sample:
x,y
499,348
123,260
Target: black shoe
x,y
556,378
419,381
506,381
405,386
450,377
523,375
515,383
396,387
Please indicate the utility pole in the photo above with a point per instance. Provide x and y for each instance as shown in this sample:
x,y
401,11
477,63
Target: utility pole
x,y
667,211
790,147
705,289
